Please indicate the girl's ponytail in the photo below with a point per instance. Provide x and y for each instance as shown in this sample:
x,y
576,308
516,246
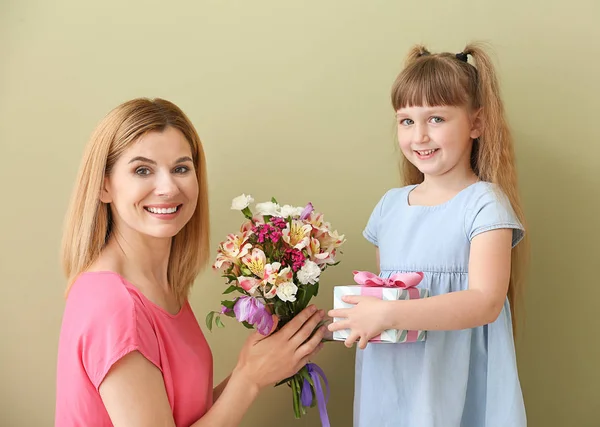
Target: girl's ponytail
x,y
494,158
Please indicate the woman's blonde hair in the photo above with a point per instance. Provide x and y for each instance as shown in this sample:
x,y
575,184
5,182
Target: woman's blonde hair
x,y
450,80
88,220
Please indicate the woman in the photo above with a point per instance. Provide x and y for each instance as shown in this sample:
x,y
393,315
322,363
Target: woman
x,y
131,352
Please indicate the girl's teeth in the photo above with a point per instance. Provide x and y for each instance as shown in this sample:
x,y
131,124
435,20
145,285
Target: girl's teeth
x,y
425,153
162,210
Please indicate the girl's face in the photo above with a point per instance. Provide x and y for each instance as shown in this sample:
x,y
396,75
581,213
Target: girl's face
x,y
152,188
437,140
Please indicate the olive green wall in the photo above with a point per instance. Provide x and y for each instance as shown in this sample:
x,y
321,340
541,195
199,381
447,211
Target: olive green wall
x,y
291,99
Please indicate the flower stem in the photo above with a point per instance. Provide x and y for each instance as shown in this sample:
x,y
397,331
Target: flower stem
x,y
296,397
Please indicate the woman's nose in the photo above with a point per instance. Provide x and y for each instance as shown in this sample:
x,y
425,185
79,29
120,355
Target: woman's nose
x,y
166,185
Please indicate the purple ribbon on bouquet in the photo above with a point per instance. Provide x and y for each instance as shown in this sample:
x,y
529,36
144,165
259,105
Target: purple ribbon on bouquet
x,y
306,397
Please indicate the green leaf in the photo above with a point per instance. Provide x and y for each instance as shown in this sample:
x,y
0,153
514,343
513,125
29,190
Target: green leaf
x,y
247,325
230,289
274,200
227,303
247,212
209,320
218,322
280,310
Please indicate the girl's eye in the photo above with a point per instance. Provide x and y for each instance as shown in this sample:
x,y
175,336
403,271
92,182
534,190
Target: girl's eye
x,y
406,122
437,120
182,169
142,171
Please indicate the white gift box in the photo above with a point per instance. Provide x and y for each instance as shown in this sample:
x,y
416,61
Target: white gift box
x,y
386,294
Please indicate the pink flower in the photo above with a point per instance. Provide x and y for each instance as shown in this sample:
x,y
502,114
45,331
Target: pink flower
x,y
293,258
267,232
249,284
278,222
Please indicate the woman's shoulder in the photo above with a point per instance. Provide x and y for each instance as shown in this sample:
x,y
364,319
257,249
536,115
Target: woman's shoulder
x,y
99,293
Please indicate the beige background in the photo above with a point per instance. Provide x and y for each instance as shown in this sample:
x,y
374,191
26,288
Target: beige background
x,y
291,99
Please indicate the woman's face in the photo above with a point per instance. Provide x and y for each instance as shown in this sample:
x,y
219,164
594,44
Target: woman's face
x,y
153,188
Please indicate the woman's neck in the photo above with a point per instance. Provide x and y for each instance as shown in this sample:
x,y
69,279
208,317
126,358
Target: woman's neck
x,y
143,259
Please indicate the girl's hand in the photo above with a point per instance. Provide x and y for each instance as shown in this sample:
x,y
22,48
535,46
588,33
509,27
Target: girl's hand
x,y
365,320
266,360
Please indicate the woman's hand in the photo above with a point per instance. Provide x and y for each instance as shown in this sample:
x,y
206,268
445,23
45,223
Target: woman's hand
x,y
266,360
366,319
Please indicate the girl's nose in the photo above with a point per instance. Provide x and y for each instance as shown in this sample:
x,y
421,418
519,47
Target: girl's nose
x,y
421,135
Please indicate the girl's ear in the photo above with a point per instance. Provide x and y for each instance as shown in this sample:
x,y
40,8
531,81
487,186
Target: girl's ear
x,y
104,193
476,124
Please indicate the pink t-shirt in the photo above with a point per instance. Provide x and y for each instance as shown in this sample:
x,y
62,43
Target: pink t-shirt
x,y
105,318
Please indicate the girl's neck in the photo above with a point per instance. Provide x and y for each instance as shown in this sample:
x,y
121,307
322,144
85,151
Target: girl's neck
x,y
449,182
436,190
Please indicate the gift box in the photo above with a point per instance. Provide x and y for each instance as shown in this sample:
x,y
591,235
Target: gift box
x,y
400,286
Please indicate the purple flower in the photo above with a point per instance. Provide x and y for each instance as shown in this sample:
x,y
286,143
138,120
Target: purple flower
x,y
225,310
254,312
307,211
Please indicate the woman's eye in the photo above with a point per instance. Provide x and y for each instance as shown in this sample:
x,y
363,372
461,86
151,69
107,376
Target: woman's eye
x,y
182,169
437,120
142,171
406,122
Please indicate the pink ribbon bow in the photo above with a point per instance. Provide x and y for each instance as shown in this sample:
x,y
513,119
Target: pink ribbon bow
x,y
398,280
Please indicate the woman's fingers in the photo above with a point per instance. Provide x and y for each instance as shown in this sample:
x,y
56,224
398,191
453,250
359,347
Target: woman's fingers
x,y
309,349
294,325
309,346
307,329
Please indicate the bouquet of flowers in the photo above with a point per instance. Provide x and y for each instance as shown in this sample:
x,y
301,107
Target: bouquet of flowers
x,y
275,262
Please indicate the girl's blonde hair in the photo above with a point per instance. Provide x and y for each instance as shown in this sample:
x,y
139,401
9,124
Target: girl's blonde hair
x,y
450,80
88,220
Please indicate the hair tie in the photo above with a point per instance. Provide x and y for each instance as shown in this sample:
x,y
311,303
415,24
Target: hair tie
x,y
462,57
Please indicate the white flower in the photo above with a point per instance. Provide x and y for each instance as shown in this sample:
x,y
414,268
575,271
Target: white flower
x,y
267,208
309,273
287,291
241,202
288,210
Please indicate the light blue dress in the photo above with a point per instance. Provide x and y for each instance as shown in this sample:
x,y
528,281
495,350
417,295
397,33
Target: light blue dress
x,y
463,378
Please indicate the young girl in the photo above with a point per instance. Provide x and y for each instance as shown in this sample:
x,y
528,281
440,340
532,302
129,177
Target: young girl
x,y
131,352
458,220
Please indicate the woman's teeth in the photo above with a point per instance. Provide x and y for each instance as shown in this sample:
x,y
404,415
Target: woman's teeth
x,y
162,210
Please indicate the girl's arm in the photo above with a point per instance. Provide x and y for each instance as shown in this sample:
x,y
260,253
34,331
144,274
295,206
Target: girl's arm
x,y
489,274
134,394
